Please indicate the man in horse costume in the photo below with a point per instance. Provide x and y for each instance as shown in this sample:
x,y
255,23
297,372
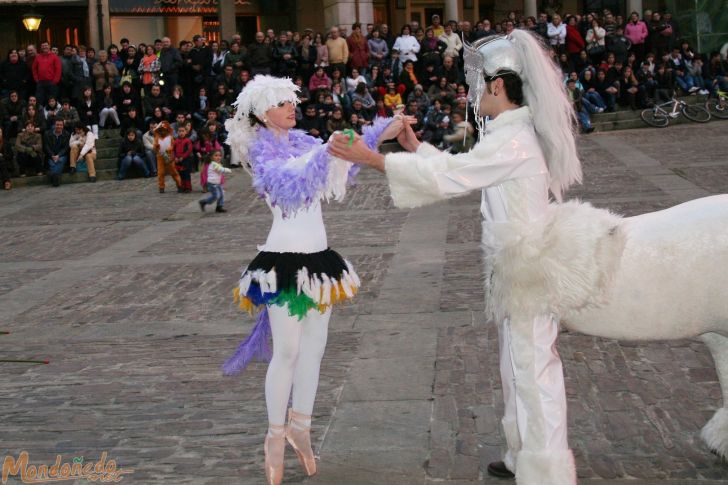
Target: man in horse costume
x,y
550,261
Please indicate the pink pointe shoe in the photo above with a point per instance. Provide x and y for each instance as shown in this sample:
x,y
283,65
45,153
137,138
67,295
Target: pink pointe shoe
x,y
298,434
274,448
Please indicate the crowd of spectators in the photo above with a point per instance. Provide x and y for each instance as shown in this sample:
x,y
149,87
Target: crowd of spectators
x,y
54,100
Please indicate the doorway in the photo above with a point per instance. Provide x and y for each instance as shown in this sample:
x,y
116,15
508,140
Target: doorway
x,y
246,26
423,15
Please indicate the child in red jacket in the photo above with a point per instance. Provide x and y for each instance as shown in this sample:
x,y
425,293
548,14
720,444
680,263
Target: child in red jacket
x,y
182,150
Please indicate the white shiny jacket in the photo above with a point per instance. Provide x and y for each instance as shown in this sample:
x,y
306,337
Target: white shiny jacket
x,y
508,165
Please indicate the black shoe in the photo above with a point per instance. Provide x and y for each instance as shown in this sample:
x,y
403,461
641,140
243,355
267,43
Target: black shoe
x,y
73,170
92,179
498,469
220,209
180,190
202,205
55,180
161,191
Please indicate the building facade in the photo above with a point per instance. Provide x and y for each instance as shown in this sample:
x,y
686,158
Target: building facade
x,y
101,22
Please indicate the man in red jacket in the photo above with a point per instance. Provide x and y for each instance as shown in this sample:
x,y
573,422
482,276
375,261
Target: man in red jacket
x,y
46,73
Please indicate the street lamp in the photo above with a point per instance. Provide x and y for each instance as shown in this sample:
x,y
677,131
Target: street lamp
x,y
31,21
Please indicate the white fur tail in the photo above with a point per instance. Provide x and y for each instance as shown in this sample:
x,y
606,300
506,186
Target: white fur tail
x,y
715,433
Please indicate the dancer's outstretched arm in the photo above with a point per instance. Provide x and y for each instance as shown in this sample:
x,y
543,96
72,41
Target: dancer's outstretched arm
x,y
428,175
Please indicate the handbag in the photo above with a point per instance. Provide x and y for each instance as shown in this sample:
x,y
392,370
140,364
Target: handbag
x,y
126,78
595,49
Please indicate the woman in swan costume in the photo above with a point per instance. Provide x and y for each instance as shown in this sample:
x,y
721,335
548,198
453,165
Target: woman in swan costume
x,y
656,276
296,278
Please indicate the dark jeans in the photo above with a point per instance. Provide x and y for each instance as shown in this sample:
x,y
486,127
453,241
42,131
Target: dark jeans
x,y
4,169
216,194
29,164
127,161
151,162
44,90
56,168
170,81
185,172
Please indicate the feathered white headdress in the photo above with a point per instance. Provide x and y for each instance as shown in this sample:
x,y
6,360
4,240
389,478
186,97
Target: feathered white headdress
x,y
544,93
258,96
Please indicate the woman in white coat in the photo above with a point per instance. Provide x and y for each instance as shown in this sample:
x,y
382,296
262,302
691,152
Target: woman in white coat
x,y
83,147
407,45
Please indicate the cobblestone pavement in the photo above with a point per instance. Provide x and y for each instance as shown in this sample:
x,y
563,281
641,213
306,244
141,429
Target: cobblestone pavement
x,y
128,293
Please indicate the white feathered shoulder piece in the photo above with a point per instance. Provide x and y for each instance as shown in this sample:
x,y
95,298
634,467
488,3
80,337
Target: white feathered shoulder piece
x,y
258,96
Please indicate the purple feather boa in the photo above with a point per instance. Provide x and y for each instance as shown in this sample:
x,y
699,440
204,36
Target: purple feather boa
x,y
289,188
293,188
371,133
254,347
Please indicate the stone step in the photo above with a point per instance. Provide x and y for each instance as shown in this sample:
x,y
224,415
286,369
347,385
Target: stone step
x,y
66,178
625,124
106,169
108,152
108,142
614,116
109,163
627,114
634,121
111,133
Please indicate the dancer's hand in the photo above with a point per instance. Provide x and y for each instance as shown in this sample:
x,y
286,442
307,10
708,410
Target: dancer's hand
x,y
340,145
392,130
396,127
407,137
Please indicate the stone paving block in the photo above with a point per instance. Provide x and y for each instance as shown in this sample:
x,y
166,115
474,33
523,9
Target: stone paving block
x,y
13,279
393,426
390,378
54,243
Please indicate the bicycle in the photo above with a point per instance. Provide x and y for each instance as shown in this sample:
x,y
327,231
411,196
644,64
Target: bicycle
x,y
660,117
717,104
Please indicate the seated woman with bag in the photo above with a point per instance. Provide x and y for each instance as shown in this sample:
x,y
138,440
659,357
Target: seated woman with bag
x,y
595,45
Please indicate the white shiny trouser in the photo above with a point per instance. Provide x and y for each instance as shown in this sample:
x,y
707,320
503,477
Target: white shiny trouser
x,y
535,403
298,347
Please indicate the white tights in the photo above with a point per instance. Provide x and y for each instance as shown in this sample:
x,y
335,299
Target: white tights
x,y
298,347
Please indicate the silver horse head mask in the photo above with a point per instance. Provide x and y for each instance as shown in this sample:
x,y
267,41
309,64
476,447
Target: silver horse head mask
x,y
484,59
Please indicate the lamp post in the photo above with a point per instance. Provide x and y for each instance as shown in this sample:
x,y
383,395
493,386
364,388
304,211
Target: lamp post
x,y
100,18
31,21
697,27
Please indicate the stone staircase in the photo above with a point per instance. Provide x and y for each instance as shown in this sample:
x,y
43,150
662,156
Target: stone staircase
x,y
625,118
107,146
107,158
